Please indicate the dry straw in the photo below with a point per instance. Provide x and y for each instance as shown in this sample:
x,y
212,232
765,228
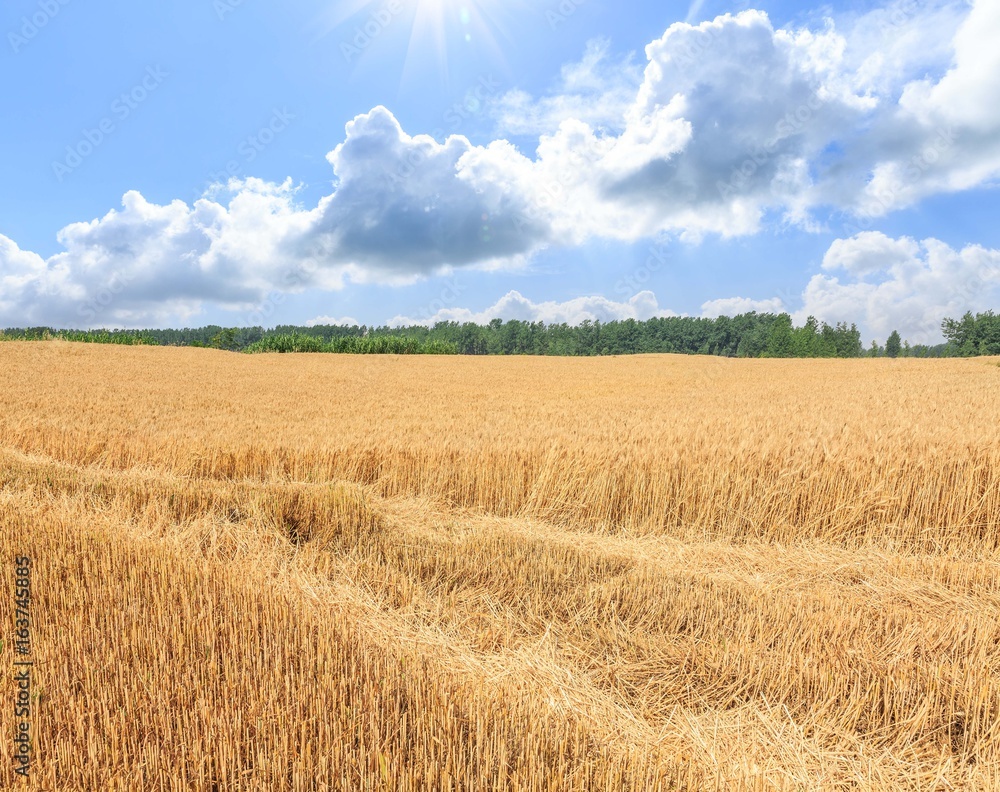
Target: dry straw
x,y
404,574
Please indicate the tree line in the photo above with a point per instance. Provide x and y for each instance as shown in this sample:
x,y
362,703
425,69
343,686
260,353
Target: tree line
x,y
746,335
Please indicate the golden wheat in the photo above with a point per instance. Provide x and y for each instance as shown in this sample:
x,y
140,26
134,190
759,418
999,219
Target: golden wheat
x,y
298,572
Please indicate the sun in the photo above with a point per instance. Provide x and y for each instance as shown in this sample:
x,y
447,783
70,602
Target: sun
x,y
438,29
440,24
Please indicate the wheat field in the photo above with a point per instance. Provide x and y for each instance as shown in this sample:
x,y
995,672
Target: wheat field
x,y
385,573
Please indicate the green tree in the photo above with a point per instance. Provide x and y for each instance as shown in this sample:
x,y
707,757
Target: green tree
x,y
961,333
779,341
805,339
893,345
225,339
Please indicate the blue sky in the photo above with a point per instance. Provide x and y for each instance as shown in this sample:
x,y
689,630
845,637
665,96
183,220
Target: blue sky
x,y
217,161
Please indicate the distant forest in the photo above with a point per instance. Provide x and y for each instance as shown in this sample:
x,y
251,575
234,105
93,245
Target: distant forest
x,y
747,335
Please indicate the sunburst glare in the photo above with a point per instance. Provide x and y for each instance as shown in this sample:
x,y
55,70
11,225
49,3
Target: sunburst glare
x,y
440,32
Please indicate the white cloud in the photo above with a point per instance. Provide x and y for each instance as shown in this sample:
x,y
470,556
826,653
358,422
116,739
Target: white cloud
x,y
722,128
148,263
694,10
932,135
598,91
404,207
514,305
734,119
734,306
899,284
869,252
888,46
732,122
25,283
884,284
967,94
410,205
344,321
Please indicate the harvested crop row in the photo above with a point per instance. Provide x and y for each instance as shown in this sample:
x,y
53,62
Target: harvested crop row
x,y
513,574
846,451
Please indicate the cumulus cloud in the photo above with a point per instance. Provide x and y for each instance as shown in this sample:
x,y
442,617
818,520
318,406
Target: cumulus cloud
x,y
734,306
26,284
735,119
723,127
331,321
868,253
888,46
411,205
598,91
403,207
148,262
934,135
886,284
514,305
731,123
967,94
732,120
900,284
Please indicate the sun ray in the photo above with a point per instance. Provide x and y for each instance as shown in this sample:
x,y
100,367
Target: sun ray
x,y
336,16
443,30
441,33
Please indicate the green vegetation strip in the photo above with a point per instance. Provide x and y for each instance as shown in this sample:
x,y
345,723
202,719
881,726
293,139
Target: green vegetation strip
x,y
747,335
